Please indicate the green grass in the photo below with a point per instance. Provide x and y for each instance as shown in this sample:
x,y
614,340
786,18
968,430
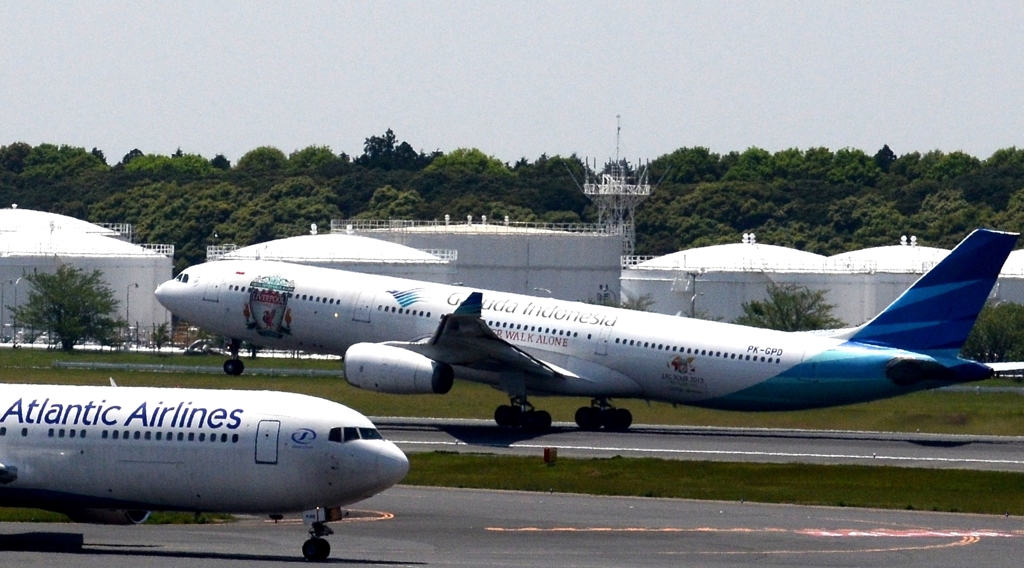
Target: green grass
x,y
850,486
948,413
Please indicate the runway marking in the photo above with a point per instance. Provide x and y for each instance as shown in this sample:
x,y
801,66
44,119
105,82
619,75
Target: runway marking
x,y
352,516
965,537
724,452
876,533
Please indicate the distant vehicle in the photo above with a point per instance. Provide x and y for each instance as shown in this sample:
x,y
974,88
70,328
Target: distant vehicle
x,y
113,454
406,336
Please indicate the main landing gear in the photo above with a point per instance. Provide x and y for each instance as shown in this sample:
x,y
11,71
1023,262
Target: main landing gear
x,y
234,365
317,549
521,414
601,414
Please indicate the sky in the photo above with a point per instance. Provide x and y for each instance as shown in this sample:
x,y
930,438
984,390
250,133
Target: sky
x,y
513,79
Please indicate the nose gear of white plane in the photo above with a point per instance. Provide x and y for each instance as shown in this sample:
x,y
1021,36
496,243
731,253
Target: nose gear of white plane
x,y
602,414
317,549
521,414
234,365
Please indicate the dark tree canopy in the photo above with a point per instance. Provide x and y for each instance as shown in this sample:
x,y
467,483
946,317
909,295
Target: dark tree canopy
x,y
790,307
998,335
71,304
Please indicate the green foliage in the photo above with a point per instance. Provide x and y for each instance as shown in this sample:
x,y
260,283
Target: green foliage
x,y
467,161
998,335
184,165
57,162
390,203
265,159
816,199
71,304
160,336
790,307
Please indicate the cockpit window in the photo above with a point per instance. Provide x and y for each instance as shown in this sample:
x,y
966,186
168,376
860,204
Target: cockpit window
x,y
183,278
349,433
370,434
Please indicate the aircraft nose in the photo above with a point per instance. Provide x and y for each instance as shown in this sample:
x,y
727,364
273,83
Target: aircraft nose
x,y
165,295
392,465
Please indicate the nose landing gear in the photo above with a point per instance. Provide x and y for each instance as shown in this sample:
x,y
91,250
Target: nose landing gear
x,y
234,365
521,414
317,549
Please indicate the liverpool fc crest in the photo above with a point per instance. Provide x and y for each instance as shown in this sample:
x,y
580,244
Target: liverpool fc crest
x,y
267,309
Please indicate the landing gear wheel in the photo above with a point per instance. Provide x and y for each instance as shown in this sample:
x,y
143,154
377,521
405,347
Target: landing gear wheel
x,y
601,414
536,421
506,416
234,367
588,418
617,419
316,550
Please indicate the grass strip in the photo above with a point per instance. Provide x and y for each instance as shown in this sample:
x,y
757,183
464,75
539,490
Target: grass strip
x,y
949,490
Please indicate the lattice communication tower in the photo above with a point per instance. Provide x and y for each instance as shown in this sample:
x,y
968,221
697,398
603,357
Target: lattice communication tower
x,y
617,192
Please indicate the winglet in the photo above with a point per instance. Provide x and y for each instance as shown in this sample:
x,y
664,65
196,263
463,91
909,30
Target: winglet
x,y
471,306
939,310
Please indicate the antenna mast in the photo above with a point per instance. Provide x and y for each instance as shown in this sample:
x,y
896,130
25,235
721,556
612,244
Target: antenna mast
x,y
617,193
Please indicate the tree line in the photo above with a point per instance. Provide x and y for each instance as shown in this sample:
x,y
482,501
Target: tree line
x,y
817,199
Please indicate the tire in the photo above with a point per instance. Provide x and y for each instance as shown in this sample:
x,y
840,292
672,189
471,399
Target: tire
x,y
621,420
588,418
309,549
503,416
316,550
542,420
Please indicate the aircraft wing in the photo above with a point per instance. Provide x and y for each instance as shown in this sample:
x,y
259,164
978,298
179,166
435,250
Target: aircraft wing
x,y
463,339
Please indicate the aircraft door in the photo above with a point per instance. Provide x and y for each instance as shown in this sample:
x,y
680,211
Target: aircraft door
x,y
266,441
602,341
364,305
212,292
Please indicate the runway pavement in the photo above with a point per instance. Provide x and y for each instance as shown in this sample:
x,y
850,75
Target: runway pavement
x,y
409,526
721,444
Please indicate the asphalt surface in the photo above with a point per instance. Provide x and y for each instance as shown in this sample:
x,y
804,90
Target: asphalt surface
x,y
409,526
722,444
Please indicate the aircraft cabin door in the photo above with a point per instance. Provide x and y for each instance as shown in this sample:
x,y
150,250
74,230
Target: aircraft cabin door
x,y
602,341
212,292
266,441
364,305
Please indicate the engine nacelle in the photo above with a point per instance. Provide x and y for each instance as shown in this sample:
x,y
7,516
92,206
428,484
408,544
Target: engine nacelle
x,y
108,516
394,370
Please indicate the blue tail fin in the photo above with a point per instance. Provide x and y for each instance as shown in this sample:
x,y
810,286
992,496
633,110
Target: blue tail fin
x,y
939,310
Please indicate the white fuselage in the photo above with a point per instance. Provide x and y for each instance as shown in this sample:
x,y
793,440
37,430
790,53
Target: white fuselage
x,y
78,447
613,352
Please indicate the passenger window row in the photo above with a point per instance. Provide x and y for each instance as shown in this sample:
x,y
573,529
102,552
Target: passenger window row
x,y
402,311
538,329
692,351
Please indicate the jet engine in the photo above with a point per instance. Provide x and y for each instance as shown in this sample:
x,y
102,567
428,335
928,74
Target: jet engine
x,y
394,370
108,516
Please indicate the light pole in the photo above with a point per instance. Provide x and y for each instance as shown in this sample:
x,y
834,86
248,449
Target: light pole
x,y
127,307
3,316
14,328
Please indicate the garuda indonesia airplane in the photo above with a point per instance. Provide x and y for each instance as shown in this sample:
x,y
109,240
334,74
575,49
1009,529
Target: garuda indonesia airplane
x,y
111,454
405,336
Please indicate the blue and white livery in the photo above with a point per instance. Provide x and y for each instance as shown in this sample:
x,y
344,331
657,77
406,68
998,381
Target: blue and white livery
x,y
403,336
112,454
